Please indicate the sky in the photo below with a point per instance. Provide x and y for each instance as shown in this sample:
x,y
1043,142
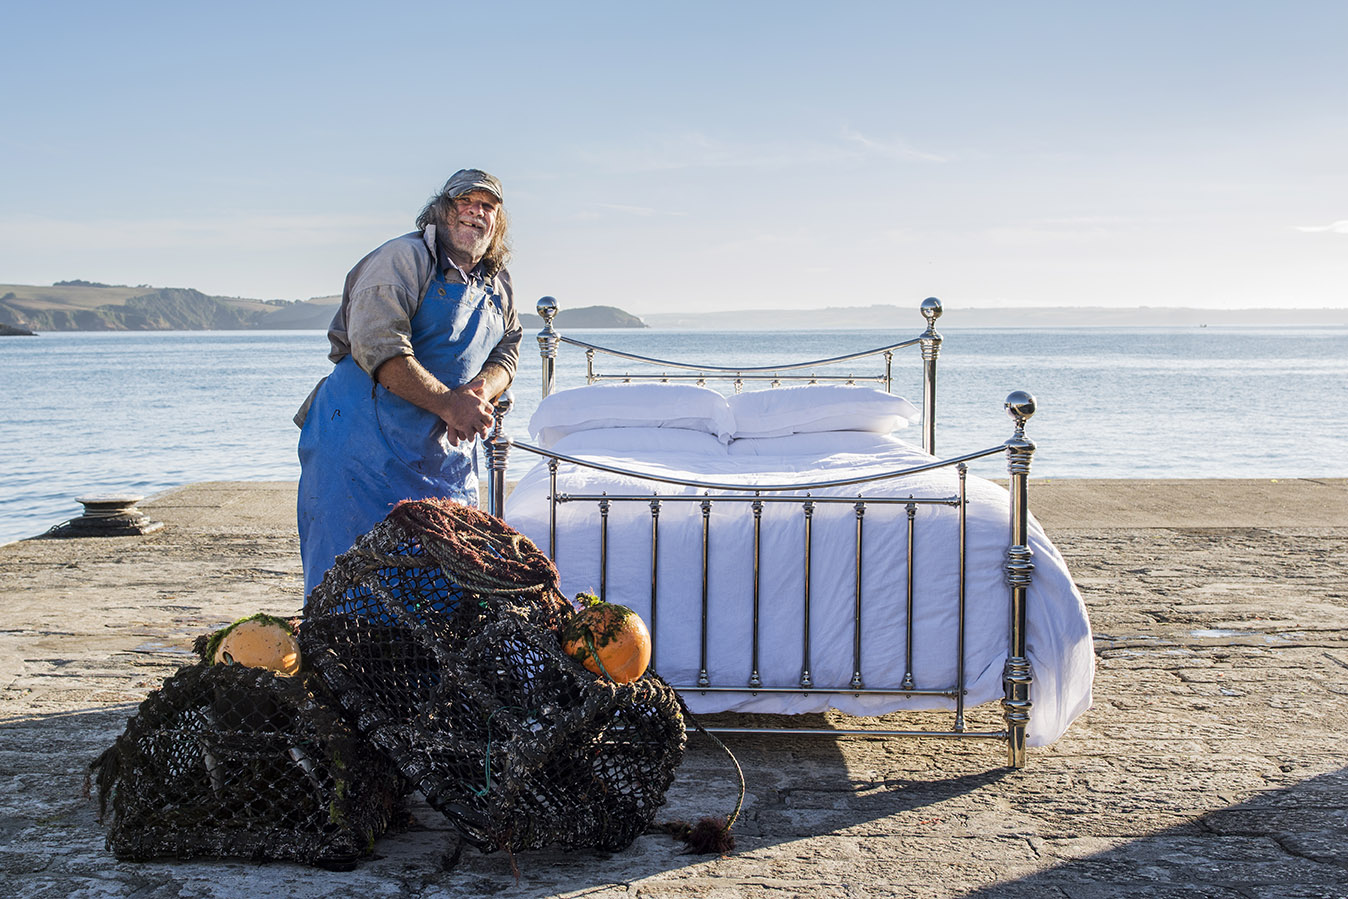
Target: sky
x,y
692,156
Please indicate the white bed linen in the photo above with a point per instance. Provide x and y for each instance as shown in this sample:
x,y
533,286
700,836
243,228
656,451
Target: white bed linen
x,y
1058,640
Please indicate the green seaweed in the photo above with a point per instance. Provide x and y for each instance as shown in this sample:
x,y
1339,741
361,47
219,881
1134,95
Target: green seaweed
x,y
596,623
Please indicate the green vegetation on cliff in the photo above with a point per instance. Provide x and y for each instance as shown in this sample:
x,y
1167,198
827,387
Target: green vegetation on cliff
x,y
91,306
88,306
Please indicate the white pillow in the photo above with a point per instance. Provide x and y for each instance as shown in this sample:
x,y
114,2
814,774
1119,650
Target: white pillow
x,y
819,407
646,405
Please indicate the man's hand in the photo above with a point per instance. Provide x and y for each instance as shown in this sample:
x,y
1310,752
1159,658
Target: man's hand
x,y
467,411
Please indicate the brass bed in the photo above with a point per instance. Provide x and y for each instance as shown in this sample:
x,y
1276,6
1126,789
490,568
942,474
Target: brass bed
x,y
876,578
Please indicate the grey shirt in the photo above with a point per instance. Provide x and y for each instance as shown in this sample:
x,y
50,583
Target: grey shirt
x,y
384,291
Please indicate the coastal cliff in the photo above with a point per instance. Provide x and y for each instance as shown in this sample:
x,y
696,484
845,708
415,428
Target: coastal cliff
x,y
90,306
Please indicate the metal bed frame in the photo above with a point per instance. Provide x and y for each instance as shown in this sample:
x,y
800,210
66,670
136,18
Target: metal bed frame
x,y
1017,675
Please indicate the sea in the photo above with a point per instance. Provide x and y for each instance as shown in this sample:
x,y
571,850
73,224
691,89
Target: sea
x,y
144,412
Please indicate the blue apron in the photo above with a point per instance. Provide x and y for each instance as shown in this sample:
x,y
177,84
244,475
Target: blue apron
x,y
364,449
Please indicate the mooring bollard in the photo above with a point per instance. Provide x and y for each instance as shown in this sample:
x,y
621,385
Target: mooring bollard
x,y
107,515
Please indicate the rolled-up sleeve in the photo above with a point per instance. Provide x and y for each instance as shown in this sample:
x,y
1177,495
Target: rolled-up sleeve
x,y
506,353
379,324
382,294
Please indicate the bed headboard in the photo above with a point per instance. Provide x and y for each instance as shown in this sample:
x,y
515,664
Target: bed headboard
x,y
549,339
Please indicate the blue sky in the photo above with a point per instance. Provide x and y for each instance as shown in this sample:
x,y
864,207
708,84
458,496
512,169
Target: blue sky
x,y
692,156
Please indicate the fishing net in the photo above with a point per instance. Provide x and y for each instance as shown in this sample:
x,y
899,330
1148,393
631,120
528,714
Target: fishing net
x,y
437,633
233,761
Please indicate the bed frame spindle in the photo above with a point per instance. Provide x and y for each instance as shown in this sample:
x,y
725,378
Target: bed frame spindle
x,y
963,472
857,683
655,579
806,681
908,683
754,679
497,448
931,349
702,679
548,339
1019,569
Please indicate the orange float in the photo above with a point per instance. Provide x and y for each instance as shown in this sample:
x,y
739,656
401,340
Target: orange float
x,y
608,639
259,642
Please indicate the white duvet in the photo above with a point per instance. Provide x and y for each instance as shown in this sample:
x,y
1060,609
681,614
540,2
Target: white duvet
x,y
1059,637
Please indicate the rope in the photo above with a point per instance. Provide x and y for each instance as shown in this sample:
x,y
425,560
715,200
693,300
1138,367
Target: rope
x,y
499,559
739,772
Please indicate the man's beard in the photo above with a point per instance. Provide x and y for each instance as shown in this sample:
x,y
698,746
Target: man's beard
x,y
467,242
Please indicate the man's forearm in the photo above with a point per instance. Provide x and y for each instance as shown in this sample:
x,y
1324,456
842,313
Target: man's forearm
x,y
407,378
496,378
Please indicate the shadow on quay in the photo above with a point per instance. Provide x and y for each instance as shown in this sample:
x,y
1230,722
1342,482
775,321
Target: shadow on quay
x,y
799,787
1288,843
808,798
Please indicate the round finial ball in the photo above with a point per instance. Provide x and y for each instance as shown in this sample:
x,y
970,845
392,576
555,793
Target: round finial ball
x,y
547,308
1020,405
931,309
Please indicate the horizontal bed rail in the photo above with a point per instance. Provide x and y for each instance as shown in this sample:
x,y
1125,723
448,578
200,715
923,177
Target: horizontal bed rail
x,y
738,374
737,369
894,474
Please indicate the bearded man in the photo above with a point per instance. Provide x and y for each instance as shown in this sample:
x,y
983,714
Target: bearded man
x,y
425,339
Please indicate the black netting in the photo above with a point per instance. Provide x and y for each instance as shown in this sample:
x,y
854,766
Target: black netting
x,y
437,633
232,761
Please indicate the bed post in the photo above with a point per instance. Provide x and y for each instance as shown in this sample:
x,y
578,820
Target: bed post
x,y
931,348
498,447
1017,675
547,344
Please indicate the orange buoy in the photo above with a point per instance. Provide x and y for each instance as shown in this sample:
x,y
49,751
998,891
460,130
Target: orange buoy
x,y
608,639
260,642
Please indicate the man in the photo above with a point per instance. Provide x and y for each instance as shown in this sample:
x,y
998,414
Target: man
x,y
425,339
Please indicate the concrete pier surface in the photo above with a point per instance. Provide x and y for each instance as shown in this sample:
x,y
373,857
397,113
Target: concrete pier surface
x,y
1213,763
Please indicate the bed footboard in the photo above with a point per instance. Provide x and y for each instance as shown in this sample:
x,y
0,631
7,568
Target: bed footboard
x,y
696,512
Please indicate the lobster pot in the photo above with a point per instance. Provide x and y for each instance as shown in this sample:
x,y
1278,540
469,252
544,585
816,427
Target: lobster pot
x,y
232,761
437,633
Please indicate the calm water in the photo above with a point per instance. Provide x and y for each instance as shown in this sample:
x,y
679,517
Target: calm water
x,y
144,412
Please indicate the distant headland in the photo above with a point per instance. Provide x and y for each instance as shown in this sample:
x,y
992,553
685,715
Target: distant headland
x,y
92,306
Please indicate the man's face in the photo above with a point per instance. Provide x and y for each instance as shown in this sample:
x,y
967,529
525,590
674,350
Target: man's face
x,y
471,225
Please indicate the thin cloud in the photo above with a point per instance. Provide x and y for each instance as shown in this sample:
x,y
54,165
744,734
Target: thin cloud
x,y
1339,227
895,148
